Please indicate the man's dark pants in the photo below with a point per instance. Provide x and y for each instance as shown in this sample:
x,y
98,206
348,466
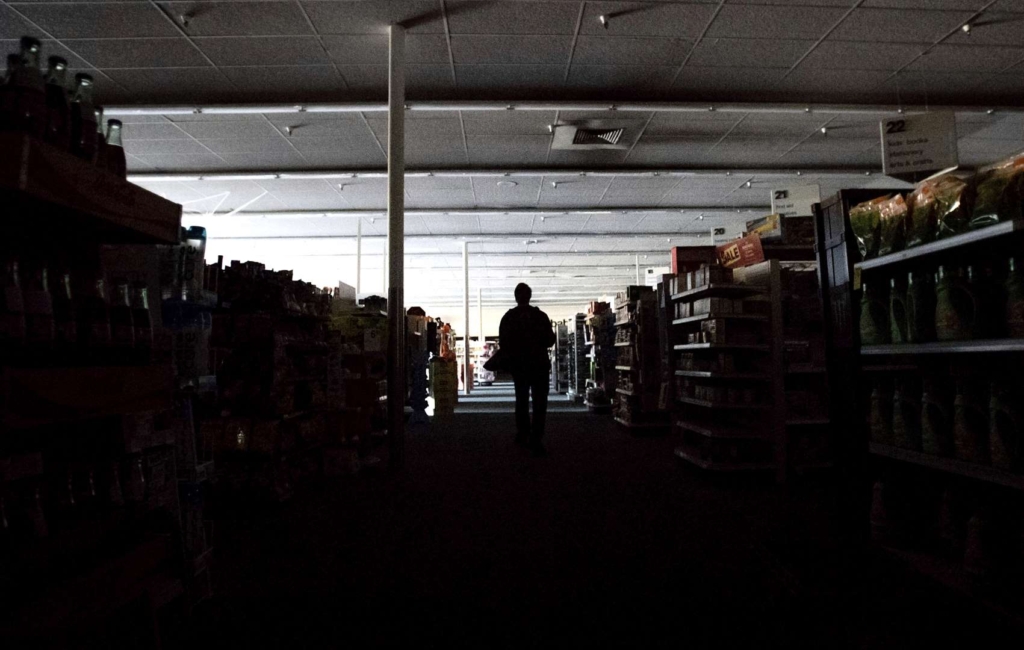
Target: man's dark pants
x,y
538,384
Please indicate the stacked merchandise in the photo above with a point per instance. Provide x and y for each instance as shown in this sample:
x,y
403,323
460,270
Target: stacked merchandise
x,y
600,330
940,343
268,344
483,376
560,359
579,366
726,366
90,525
444,379
638,359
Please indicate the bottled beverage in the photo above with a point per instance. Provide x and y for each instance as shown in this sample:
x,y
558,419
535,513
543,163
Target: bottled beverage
x,y
136,488
122,329
83,119
954,306
25,92
898,309
116,163
114,495
39,328
100,159
142,321
1014,289
37,516
58,113
12,311
920,307
94,321
65,326
193,262
874,316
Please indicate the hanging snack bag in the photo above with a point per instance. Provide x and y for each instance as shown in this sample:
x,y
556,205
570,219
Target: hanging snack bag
x,y
1000,190
937,210
865,219
892,215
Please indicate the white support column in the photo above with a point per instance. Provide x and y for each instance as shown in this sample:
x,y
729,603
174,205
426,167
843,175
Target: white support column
x,y
480,315
395,266
468,383
638,270
359,256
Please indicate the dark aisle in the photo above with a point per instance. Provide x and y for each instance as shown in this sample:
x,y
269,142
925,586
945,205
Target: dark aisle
x,y
606,541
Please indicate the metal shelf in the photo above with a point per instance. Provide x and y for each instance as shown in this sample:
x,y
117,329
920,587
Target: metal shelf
x,y
942,245
703,317
950,465
708,374
720,346
719,289
721,405
686,455
730,433
946,347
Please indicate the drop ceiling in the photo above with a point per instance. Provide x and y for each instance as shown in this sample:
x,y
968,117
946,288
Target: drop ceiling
x,y
574,222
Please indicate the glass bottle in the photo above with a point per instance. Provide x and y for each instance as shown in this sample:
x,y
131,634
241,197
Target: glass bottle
x,y
1014,290
142,321
65,326
83,119
58,112
94,321
39,328
954,306
136,490
920,307
115,497
874,316
37,516
12,311
25,92
7,120
898,309
100,159
116,163
122,329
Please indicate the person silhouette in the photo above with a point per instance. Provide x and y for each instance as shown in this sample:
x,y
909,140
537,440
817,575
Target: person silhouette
x,y
525,335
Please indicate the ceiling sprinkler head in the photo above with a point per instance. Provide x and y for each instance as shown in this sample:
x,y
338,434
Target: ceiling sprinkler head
x,y
288,130
603,20
373,219
990,111
966,29
824,130
748,185
668,239
799,173
867,173
542,218
700,217
554,183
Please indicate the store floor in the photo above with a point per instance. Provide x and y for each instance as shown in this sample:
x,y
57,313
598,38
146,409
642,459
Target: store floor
x,y
609,540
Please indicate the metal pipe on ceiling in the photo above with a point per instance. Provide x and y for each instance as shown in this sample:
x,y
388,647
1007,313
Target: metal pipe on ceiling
x,y
484,238
551,106
496,212
195,177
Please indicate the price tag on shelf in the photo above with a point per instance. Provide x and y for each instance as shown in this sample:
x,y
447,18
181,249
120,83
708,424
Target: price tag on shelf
x,y
918,145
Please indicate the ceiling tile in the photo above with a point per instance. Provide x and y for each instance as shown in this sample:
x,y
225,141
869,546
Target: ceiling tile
x,y
749,53
899,26
489,17
153,131
447,127
503,78
968,58
738,83
248,145
599,158
173,84
373,48
819,85
285,83
139,53
263,50
430,79
374,16
339,151
942,5
184,162
926,86
620,77
222,130
120,20
240,18
773,22
269,160
993,28
847,55
646,19
598,50
13,26
154,147
507,122
503,49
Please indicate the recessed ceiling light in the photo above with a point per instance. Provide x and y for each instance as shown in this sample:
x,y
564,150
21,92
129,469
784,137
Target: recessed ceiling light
x,y
507,183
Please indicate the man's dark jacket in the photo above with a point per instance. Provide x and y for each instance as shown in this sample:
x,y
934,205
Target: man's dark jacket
x,y
525,335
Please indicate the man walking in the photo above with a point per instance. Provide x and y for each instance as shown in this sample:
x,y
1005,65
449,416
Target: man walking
x,y
525,335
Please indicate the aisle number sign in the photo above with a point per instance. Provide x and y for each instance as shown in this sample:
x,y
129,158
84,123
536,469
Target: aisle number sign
x,y
919,144
795,201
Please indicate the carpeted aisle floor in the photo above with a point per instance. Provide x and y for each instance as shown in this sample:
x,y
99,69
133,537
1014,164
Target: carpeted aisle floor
x,y
606,541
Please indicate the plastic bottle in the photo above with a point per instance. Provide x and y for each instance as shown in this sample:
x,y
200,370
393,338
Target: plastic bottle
x,y
65,325
58,112
12,311
39,327
114,150
142,321
94,321
83,119
122,328
25,92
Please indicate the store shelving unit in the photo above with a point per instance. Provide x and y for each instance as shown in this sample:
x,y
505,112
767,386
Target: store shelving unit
x,y
728,402
639,360
560,359
85,558
601,354
959,472
578,363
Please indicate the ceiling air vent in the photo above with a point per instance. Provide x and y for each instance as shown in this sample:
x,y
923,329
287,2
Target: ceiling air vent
x,y
597,136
